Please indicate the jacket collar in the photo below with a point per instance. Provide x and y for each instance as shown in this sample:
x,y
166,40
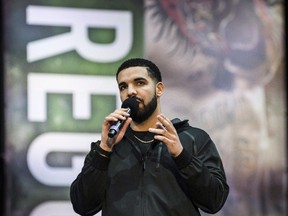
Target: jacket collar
x,y
179,123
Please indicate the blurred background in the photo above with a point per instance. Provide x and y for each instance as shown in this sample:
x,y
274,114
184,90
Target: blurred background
x,y
223,64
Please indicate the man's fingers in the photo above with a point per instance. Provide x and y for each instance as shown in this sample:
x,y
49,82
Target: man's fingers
x,y
166,123
117,115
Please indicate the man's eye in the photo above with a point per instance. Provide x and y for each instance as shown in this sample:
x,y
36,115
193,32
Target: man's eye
x,y
140,83
122,88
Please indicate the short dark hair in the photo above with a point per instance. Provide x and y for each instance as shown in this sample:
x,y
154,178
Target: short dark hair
x,y
152,69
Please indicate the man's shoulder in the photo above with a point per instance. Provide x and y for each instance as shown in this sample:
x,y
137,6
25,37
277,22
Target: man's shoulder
x,y
183,125
179,123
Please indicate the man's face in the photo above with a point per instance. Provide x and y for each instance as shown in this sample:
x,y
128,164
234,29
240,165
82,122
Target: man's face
x,y
144,113
136,82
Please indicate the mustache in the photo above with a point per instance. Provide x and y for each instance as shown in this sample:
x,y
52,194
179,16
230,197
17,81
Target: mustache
x,y
138,99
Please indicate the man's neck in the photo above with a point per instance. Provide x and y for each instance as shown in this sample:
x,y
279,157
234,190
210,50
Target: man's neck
x,y
144,126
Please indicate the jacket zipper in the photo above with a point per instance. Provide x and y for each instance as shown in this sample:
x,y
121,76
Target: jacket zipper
x,y
143,160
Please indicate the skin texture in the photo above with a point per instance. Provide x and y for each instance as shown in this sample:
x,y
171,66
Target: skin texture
x,y
136,81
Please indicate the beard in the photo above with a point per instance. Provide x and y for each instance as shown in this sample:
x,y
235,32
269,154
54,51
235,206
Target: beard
x,y
144,113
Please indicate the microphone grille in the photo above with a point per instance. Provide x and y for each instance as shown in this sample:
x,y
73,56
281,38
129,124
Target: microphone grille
x,y
133,104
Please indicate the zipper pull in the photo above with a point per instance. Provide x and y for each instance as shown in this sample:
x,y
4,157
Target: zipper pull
x,y
159,154
144,163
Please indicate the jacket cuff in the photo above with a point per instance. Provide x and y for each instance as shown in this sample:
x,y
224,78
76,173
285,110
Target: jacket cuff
x,y
183,159
100,162
100,158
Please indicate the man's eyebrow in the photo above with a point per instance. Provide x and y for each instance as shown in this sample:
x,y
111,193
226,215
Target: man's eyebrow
x,y
135,80
122,83
139,79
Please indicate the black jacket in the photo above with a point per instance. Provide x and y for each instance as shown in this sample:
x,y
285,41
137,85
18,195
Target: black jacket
x,y
129,184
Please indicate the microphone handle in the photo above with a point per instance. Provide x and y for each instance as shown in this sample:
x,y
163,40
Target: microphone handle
x,y
115,128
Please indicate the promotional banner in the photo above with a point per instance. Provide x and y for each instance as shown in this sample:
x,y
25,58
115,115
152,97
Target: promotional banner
x,y
224,71
222,64
60,63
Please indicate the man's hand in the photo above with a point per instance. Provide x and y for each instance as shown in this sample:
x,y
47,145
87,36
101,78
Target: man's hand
x,y
107,143
166,132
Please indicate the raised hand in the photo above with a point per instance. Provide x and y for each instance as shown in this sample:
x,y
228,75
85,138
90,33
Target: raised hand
x,y
107,143
166,132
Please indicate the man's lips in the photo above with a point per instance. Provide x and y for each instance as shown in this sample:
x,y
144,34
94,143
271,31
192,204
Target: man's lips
x,y
139,100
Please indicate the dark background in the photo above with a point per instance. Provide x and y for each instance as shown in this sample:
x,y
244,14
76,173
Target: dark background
x,y
2,120
2,133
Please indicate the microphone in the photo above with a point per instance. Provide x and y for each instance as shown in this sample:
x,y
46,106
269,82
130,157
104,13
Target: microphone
x,y
133,105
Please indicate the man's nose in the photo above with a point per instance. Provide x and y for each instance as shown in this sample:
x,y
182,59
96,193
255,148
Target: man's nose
x,y
131,91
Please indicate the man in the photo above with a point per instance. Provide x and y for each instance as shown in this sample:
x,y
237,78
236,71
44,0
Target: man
x,y
153,166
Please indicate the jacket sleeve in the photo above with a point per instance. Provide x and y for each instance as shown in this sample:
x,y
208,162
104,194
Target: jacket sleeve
x,y
88,190
203,173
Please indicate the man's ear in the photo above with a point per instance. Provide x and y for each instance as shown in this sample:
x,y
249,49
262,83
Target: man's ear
x,y
160,89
